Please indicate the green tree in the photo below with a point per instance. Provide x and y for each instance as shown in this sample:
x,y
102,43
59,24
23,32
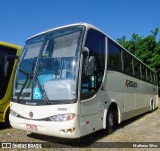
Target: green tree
x,y
146,48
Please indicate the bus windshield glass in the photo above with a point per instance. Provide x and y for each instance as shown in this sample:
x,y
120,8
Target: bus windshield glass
x,y
49,65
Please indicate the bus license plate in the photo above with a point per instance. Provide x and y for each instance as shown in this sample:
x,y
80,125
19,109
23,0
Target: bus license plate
x,y
31,127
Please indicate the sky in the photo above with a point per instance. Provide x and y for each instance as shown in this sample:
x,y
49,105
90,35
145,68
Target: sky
x,y
21,19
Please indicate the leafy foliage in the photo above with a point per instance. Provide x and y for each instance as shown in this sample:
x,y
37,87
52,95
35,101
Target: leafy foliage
x,y
147,49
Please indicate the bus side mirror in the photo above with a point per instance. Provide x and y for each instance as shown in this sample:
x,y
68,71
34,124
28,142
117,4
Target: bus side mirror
x,y
6,63
85,53
91,65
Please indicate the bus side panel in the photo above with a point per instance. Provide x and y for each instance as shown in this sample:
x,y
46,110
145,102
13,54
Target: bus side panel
x,y
136,98
92,111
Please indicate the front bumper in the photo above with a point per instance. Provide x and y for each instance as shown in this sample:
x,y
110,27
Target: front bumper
x,y
66,129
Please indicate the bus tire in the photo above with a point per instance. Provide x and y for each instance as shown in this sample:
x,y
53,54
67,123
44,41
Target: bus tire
x,y
110,120
7,122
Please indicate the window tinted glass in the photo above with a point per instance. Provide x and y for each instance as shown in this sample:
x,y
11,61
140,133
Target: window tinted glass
x,y
114,59
156,79
148,75
143,71
95,42
152,77
5,51
137,68
127,63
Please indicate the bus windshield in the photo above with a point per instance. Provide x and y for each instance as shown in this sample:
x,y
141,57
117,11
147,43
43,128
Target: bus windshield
x,y
49,67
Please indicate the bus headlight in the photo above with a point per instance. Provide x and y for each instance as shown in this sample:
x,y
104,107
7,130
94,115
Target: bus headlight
x,y
63,117
13,113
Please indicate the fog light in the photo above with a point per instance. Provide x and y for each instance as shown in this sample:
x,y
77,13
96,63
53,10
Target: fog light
x,y
63,130
71,130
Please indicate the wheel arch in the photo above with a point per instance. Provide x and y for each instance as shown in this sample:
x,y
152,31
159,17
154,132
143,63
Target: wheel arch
x,y
113,106
5,113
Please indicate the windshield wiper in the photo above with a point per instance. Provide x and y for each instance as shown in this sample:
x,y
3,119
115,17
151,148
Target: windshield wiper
x,y
44,95
26,73
29,77
42,90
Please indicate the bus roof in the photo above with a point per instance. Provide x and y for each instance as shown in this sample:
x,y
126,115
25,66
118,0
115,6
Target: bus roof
x,y
76,24
10,45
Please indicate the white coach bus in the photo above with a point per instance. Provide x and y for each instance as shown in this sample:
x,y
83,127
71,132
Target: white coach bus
x,y
74,80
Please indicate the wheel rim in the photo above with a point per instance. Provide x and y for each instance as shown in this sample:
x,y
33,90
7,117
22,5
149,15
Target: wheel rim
x,y
110,118
152,106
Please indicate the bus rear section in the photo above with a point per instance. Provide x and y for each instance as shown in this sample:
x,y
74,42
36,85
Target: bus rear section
x,y
8,54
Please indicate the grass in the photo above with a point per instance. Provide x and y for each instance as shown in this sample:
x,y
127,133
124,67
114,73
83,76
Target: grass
x,y
158,110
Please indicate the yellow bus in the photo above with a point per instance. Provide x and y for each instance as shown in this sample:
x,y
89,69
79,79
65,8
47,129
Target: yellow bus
x,y
8,60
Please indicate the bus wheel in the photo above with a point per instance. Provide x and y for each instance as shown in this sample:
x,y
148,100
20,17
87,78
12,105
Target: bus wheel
x,y
110,121
7,122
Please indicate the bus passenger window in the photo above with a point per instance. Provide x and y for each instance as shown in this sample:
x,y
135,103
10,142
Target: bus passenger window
x,y
127,63
148,75
114,59
152,79
137,68
143,71
155,78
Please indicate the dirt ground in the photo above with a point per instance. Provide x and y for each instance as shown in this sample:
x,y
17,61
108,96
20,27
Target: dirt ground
x,y
141,132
